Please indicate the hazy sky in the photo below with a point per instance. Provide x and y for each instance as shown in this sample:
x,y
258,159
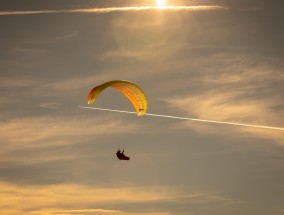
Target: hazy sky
x,y
221,61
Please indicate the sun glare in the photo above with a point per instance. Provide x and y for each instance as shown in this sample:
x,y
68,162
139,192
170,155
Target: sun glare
x,y
161,2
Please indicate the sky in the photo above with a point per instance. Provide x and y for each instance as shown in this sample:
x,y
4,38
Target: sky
x,y
208,59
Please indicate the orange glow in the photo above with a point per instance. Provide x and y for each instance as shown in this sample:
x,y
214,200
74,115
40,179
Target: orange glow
x,y
161,2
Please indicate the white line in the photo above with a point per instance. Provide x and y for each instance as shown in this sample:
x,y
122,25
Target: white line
x,y
187,118
115,9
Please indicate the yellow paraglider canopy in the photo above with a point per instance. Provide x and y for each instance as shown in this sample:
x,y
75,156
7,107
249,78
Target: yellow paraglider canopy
x,y
129,89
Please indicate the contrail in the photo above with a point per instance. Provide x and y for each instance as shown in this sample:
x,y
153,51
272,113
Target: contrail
x,y
187,118
115,9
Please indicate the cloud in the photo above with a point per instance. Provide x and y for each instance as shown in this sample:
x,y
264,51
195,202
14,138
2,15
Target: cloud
x,y
19,135
30,52
76,211
224,106
15,82
87,82
115,9
154,39
49,105
60,199
232,88
74,83
233,107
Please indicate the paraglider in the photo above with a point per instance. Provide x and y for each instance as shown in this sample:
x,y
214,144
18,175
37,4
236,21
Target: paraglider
x,y
121,155
130,90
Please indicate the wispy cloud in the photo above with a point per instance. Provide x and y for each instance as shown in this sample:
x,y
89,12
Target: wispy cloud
x,y
231,107
75,83
19,135
59,199
17,82
75,211
49,105
229,87
116,9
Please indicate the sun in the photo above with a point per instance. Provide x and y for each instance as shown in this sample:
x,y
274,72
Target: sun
x,y
161,2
